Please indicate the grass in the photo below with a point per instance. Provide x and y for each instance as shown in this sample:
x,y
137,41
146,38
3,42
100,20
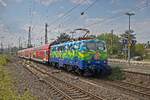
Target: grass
x,y
3,60
7,91
116,74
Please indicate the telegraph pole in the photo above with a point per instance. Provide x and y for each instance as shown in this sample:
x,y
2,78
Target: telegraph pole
x,y
8,48
112,31
29,37
1,44
2,47
41,40
46,38
19,43
129,37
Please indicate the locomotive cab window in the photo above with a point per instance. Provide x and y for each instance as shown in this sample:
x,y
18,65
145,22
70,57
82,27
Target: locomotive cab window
x,y
95,45
101,45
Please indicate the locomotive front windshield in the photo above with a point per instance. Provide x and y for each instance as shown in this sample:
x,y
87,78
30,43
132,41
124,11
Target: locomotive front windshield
x,y
95,45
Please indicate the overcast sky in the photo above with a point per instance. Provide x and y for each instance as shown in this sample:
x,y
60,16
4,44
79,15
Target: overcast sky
x,y
17,15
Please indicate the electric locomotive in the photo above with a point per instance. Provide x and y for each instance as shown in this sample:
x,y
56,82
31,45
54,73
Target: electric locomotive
x,y
84,56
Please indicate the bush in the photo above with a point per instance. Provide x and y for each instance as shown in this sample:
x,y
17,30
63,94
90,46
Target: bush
x,y
116,74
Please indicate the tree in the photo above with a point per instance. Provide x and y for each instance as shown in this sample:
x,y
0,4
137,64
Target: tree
x,y
62,38
139,50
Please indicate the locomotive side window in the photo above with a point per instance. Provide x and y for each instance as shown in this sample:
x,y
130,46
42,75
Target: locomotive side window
x,y
91,46
60,48
63,48
95,45
76,46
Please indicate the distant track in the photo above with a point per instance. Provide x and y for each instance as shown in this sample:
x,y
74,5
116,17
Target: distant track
x,y
61,88
131,62
132,72
130,88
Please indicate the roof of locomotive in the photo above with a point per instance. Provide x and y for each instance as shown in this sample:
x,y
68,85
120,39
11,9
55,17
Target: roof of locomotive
x,y
76,42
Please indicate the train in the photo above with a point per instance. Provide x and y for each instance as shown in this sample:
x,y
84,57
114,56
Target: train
x,y
83,56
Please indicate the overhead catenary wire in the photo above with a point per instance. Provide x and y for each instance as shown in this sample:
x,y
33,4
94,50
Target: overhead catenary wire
x,y
117,16
111,18
66,13
89,7
120,14
83,11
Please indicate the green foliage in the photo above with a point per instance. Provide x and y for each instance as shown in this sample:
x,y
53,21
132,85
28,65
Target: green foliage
x,y
62,38
112,42
7,91
139,50
116,74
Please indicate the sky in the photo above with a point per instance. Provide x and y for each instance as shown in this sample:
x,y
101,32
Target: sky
x,y
103,16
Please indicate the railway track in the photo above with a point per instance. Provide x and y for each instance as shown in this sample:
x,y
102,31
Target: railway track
x,y
60,88
130,88
138,73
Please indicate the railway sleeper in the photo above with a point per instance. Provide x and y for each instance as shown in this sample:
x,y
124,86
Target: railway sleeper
x,y
73,94
85,98
72,90
58,98
78,95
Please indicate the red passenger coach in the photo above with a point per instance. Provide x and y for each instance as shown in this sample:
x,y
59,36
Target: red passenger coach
x,y
41,53
26,53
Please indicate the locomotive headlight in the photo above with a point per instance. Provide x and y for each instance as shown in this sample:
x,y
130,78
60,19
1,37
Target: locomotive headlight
x,y
105,61
89,61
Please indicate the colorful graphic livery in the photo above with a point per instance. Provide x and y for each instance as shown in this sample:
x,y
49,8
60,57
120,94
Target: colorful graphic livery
x,y
83,57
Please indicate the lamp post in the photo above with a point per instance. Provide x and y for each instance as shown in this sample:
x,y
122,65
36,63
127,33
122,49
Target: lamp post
x,y
129,37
